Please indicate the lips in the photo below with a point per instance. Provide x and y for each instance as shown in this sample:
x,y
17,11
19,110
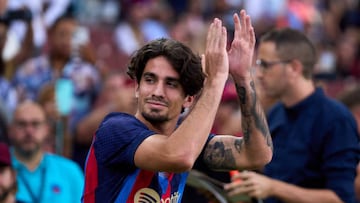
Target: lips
x,y
156,103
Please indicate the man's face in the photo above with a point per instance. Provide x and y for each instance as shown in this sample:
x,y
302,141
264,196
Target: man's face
x,y
29,129
160,95
272,78
60,37
7,182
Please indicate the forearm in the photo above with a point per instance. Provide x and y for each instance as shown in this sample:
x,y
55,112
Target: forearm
x,y
294,194
257,140
194,130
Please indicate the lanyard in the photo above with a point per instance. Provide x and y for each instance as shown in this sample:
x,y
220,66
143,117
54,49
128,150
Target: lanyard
x,y
35,199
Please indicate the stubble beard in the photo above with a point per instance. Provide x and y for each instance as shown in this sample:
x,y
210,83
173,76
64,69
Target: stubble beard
x,y
29,153
155,117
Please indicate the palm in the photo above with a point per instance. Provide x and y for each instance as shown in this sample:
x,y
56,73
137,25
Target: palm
x,y
242,47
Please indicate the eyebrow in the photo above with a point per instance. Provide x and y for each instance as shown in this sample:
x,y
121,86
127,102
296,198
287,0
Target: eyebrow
x,y
169,79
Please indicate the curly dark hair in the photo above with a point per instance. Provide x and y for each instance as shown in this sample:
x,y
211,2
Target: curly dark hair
x,y
185,62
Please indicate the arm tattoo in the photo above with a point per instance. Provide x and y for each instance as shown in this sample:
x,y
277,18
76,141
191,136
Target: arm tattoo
x,y
238,145
217,156
252,111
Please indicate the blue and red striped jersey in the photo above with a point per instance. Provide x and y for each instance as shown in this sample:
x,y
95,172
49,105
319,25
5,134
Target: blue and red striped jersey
x,y
110,171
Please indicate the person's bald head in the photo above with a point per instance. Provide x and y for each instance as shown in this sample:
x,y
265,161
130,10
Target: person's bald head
x,y
27,108
29,128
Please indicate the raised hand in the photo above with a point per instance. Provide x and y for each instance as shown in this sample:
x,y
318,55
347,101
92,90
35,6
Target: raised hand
x,y
242,47
216,58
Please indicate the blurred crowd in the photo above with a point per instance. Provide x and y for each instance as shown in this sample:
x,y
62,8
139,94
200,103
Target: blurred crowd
x,y
61,53
70,56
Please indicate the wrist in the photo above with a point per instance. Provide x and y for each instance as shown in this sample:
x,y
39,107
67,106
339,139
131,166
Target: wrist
x,y
275,187
242,76
215,82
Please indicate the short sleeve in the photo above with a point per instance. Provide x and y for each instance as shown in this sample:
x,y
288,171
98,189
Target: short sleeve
x,y
117,139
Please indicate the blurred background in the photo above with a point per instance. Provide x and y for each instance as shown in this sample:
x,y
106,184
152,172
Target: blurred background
x,y
67,66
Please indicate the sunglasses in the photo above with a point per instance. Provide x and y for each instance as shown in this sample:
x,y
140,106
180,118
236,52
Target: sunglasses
x,y
21,124
268,64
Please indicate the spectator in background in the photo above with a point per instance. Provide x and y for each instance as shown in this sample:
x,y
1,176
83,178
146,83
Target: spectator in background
x,y
68,65
315,139
13,52
8,96
44,14
137,27
116,95
351,98
228,115
47,99
56,63
42,177
190,27
8,185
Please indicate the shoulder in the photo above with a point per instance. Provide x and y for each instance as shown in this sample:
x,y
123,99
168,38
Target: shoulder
x,y
334,110
62,163
33,66
119,119
115,125
39,62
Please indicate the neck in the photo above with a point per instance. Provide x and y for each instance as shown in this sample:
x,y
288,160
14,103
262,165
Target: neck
x,y
58,62
31,161
298,92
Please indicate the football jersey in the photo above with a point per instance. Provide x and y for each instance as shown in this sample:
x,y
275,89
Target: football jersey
x,y
110,171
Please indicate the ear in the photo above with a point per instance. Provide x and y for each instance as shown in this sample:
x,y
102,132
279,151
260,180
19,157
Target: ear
x,y
188,101
296,67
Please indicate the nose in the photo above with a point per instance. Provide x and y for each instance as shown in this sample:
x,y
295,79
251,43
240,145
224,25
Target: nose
x,y
159,89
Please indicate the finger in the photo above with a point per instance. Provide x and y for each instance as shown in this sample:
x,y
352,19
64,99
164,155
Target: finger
x,y
216,34
245,175
209,35
252,36
203,62
242,21
223,37
213,36
237,26
242,189
250,30
254,193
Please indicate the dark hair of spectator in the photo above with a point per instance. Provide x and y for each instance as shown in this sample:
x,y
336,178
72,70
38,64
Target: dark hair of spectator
x,y
350,97
66,16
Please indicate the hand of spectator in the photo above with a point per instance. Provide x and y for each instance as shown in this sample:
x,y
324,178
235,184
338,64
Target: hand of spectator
x,y
252,184
242,47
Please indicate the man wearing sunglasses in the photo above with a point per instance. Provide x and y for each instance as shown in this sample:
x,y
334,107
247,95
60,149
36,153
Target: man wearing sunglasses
x,y
315,138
